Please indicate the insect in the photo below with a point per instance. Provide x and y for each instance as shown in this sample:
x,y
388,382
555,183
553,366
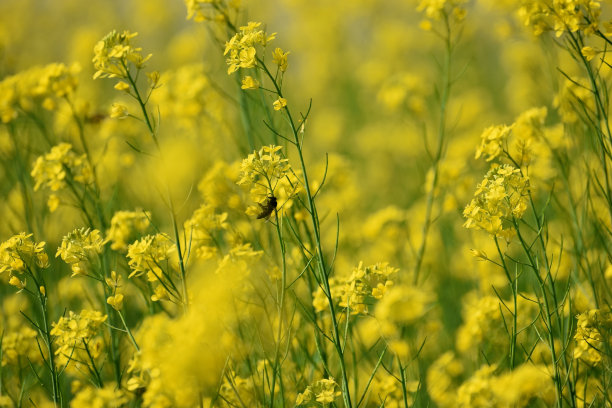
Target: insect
x,y
267,208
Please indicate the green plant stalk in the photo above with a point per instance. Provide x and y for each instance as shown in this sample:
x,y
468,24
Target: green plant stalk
x,y
27,199
95,198
324,278
439,152
514,286
45,332
93,365
184,295
280,307
143,107
129,332
602,115
403,381
115,354
547,316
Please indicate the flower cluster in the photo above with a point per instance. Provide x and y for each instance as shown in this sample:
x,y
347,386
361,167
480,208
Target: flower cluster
x,y
561,16
59,167
200,228
107,396
528,131
75,332
500,198
481,317
512,389
146,256
36,86
493,141
18,254
262,171
21,342
241,47
322,392
125,227
114,53
593,335
574,99
114,282
210,10
239,260
79,248
359,289
436,9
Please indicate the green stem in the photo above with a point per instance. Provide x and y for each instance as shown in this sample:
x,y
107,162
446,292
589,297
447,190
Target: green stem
x,y
323,272
129,332
280,310
439,152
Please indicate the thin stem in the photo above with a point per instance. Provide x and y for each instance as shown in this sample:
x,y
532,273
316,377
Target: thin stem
x,y
439,151
323,272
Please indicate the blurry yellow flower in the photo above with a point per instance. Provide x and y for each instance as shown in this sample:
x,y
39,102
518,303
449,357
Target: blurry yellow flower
x,y
122,86
125,227
493,141
280,59
561,16
118,111
153,79
53,202
59,166
425,25
20,252
107,396
80,249
116,301
592,335
248,82
324,391
113,54
75,331
279,104
209,10
241,47
202,227
15,281
146,255
589,53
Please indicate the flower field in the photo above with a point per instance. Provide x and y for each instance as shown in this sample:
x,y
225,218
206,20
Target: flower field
x,y
305,203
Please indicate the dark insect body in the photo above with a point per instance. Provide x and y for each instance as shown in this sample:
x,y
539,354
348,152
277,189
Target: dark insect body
x,y
267,208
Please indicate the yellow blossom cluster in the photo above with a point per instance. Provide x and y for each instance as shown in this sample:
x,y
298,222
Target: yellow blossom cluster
x,y
80,248
241,49
114,53
262,172
75,332
360,288
561,16
499,199
39,86
202,227
210,10
90,396
593,335
321,392
20,253
58,169
125,227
